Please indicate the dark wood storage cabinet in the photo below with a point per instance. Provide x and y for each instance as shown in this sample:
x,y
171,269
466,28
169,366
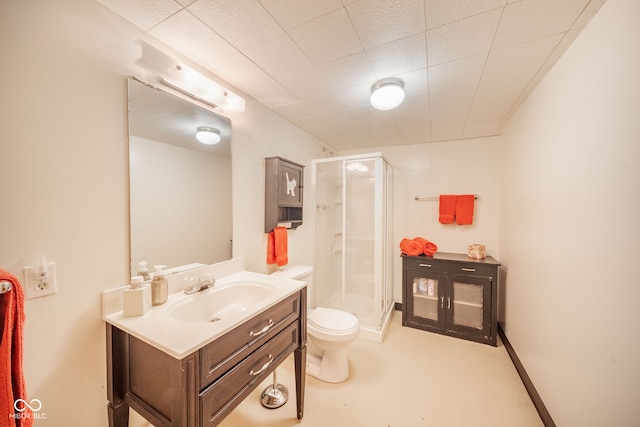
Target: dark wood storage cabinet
x,y
451,294
204,387
284,183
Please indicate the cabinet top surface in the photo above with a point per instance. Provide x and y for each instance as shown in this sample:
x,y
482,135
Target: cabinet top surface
x,y
448,256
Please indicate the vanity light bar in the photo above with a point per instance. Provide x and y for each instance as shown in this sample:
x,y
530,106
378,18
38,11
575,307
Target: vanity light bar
x,y
187,81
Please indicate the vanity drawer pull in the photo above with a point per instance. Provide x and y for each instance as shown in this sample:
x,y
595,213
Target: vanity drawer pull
x,y
468,269
264,367
263,330
425,265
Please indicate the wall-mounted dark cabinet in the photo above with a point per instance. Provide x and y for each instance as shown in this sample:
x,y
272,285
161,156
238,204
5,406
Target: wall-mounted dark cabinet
x,y
451,294
284,183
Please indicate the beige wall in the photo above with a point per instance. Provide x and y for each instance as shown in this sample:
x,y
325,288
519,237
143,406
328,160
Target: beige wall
x,y
570,230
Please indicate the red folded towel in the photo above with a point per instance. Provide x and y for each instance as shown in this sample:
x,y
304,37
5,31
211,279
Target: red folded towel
x,y
410,247
464,209
428,248
447,209
277,247
12,383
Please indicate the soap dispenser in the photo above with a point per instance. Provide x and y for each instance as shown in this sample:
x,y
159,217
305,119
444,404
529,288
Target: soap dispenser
x,y
142,270
159,286
136,300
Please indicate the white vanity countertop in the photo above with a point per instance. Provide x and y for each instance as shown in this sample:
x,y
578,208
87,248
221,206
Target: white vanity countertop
x,y
178,338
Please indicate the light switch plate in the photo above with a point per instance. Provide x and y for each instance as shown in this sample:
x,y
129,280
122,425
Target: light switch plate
x,y
36,287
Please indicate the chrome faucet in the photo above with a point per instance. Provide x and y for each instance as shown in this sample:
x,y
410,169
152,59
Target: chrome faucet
x,y
197,285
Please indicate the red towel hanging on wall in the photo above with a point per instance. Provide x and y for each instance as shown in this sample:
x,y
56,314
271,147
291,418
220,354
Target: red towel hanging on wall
x,y
464,209
447,209
12,383
277,247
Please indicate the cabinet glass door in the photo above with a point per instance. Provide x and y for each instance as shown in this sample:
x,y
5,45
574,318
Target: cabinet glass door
x,y
426,297
469,304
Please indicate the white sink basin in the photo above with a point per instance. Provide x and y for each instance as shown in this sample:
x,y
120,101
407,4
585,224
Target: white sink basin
x,y
220,302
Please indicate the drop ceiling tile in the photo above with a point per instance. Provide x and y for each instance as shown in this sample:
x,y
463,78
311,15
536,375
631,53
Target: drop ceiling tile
x,y
442,12
306,84
348,71
415,82
414,126
290,14
463,38
481,130
531,19
448,120
239,71
355,96
509,70
382,128
143,13
192,38
278,56
400,56
310,108
242,23
456,81
587,14
378,22
328,37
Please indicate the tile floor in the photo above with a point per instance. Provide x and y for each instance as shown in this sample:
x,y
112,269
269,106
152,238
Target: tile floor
x,y
413,378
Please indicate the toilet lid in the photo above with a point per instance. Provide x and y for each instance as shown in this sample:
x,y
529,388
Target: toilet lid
x,y
333,320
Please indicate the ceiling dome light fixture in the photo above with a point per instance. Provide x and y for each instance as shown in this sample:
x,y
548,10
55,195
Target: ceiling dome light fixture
x,y
207,135
387,94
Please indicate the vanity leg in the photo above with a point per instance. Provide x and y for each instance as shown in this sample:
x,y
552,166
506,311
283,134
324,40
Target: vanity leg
x,y
300,357
117,409
118,415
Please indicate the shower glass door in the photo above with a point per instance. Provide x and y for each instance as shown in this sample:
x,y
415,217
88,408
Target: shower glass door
x,y
353,221
360,236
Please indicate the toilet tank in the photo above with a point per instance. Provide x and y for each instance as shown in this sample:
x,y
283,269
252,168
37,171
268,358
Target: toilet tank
x,y
299,272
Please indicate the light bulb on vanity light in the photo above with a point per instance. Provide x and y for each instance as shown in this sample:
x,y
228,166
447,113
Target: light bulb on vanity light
x,y
208,135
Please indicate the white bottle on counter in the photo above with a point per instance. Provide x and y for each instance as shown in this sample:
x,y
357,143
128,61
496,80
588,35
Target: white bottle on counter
x,y
136,300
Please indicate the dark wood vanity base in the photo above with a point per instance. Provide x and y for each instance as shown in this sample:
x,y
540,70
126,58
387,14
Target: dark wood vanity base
x,y
204,387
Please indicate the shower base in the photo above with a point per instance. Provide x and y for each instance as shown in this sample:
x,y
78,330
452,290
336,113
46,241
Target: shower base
x,y
361,306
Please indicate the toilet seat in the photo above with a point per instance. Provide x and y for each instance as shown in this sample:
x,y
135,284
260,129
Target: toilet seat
x,y
327,323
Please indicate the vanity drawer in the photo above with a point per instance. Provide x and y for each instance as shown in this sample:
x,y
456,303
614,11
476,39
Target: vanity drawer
x,y
222,354
225,394
470,268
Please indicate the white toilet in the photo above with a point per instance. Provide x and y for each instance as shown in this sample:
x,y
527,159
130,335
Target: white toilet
x,y
329,332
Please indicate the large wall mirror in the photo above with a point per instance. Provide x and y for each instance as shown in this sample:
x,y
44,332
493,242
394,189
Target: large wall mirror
x,y
180,189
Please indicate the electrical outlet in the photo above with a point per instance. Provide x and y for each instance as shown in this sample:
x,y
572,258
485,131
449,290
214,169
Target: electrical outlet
x,y
40,285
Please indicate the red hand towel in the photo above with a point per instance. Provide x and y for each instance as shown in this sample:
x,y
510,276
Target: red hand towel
x,y
12,383
277,247
447,209
464,209
410,247
428,248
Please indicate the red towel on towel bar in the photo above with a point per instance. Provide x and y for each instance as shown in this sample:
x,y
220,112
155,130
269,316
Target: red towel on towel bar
x,y
447,209
12,384
464,209
411,247
277,247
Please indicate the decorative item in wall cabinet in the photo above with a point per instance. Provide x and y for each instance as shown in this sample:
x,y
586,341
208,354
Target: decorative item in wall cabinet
x,y
284,182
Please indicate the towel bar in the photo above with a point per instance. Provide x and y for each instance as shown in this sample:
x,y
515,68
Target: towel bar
x,y
5,287
435,198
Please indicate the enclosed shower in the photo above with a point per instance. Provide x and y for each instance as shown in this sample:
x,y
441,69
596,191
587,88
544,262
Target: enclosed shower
x,y
352,235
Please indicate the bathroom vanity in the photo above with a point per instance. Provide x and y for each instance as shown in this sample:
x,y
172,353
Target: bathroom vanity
x,y
451,294
202,386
